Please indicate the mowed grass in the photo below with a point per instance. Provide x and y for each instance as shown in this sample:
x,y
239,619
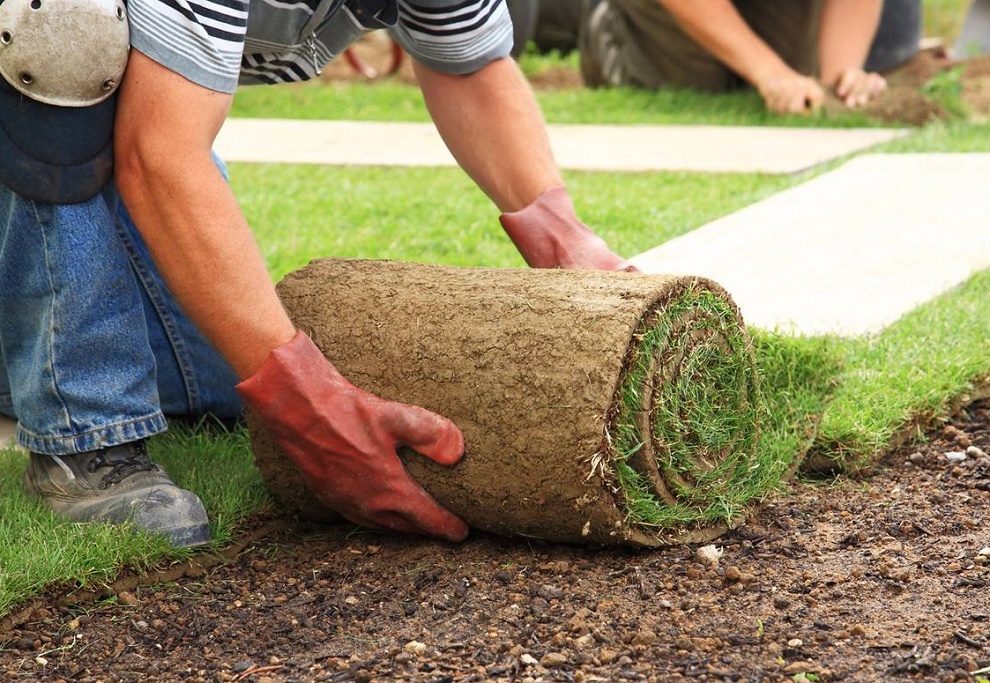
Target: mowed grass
x,y
911,372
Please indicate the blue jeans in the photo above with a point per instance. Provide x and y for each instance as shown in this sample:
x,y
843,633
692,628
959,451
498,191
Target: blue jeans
x,y
95,350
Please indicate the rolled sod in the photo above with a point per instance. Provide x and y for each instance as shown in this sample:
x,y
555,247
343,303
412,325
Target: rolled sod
x,y
601,408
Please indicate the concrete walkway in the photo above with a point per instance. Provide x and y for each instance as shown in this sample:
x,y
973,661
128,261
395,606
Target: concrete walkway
x,y
739,149
850,251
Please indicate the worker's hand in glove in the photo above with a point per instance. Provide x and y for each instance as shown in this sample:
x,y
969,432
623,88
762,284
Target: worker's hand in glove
x,y
549,234
344,441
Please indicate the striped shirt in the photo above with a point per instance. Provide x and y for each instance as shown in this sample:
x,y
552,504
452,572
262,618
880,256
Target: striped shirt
x,y
222,43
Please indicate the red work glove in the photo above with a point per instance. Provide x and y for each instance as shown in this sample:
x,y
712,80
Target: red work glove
x,y
344,441
549,234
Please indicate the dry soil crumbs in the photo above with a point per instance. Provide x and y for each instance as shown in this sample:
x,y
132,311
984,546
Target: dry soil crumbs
x,y
880,579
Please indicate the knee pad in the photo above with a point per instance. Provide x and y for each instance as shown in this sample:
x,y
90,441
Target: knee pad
x,y
57,104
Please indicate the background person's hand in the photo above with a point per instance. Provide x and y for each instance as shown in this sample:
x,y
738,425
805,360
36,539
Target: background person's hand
x,y
791,93
344,441
856,87
548,234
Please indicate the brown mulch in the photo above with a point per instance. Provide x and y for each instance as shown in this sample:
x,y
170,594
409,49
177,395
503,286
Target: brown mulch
x,y
880,579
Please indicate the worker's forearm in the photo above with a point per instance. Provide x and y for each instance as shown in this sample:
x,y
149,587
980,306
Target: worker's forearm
x,y
718,27
492,125
187,213
209,259
846,32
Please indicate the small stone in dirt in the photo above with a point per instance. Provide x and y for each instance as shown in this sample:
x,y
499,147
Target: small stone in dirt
x,y
708,554
857,630
550,592
552,660
528,660
799,667
916,458
415,647
780,602
795,642
644,637
584,642
126,598
241,667
955,456
959,436
607,656
975,452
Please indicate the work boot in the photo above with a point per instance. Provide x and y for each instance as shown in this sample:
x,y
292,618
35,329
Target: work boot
x,y
117,485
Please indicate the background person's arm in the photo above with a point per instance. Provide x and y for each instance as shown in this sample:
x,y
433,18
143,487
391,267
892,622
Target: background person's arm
x,y
846,32
718,27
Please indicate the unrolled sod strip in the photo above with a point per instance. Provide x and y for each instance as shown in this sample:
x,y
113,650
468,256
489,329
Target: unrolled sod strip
x,y
603,408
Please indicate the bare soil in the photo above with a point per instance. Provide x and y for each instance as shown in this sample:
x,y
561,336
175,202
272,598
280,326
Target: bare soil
x,y
884,578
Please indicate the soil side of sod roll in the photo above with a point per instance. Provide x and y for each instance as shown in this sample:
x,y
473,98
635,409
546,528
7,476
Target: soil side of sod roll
x,y
603,408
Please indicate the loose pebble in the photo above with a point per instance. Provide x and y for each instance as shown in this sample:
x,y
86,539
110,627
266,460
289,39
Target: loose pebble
x,y
126,598
709,554
415,647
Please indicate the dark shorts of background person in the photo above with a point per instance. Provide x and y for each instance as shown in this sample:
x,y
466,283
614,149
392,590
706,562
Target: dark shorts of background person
x,y
560,23
619,44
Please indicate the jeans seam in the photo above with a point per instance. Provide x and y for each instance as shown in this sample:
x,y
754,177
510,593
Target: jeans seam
x,y
52,312
157,299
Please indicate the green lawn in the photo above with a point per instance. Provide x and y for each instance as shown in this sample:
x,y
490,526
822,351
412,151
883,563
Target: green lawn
x,y
910,373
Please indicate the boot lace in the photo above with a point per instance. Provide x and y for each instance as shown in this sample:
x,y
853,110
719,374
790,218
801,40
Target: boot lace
x,y
123,461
